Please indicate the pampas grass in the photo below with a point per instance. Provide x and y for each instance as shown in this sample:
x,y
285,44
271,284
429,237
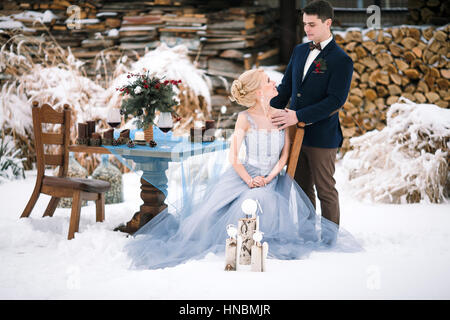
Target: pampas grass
x,y
407,161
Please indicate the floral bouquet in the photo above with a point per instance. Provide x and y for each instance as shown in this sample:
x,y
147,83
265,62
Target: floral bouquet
x,y
146,94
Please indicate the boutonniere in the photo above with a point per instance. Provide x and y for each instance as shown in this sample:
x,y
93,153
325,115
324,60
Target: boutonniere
x,y
320,66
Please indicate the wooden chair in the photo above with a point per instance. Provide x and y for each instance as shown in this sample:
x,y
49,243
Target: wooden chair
x,y
61,186
296,135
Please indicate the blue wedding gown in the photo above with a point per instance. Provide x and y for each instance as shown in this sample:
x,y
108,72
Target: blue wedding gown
x,y
288,219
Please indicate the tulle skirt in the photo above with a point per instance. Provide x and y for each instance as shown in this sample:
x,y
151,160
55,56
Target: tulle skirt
x,y
288,220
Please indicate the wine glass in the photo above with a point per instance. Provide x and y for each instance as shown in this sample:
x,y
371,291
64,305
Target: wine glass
x,y
113,118
165,123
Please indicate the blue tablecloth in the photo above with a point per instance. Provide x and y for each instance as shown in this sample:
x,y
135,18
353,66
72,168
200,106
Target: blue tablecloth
x,y
198,163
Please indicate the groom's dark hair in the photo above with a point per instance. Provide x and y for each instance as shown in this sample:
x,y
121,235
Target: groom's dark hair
x,y
321,8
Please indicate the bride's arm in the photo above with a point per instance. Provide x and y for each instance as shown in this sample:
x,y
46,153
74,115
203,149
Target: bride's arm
x,y
283,158
240,130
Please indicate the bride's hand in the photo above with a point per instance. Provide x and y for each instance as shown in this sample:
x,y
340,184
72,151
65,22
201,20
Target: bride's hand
x,y
259,181
251,183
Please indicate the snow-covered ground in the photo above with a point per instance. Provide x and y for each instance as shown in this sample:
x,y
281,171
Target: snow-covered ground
x,y
406,256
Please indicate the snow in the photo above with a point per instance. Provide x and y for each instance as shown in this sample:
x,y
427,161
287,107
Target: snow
x,y
273,74
406,256
137,28
10,24
83,21
14,21
113,33
30,16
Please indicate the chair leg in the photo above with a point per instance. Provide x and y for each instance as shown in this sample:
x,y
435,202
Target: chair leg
x,y
51,207
100,207
33,199
75,215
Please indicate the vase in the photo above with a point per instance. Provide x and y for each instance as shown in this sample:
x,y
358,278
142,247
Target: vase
x,y
106,171
148,133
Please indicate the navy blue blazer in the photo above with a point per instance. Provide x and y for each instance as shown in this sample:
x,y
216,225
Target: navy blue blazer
x,y
323,91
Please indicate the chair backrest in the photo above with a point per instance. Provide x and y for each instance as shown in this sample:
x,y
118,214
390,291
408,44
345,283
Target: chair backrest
x,y
296,135
46,114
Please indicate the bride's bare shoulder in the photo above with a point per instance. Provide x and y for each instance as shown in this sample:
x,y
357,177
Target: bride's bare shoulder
x,y
242,121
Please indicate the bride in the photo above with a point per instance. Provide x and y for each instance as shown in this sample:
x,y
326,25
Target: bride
x,y
288,219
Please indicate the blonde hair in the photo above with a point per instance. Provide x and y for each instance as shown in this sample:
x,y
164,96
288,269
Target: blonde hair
x,y
243,90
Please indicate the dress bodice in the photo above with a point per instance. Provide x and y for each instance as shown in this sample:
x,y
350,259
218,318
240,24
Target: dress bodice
x,y
262,146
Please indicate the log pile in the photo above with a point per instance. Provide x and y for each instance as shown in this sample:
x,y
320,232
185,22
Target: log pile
x,y
221,40
389,63
428,12
240,38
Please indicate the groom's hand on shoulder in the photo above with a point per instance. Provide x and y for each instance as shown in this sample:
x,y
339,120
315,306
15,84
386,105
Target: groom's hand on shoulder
x,y
284,118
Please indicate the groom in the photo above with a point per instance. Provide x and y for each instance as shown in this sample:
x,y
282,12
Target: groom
x,y
317,81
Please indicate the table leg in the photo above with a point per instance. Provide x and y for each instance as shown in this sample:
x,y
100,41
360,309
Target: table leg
x,y
152,194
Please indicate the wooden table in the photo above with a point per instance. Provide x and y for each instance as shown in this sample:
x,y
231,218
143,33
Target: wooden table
x,y
153,162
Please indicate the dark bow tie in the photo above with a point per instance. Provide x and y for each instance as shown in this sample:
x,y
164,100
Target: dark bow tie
x,y
313,46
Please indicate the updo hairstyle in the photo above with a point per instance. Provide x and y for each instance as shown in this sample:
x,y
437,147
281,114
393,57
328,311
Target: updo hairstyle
x,y
243,90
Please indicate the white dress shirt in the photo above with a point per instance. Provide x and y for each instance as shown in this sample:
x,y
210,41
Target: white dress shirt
x,y
313,55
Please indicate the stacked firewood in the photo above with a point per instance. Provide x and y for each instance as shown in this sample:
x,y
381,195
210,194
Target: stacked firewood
x,y
428,12
221,40
400,61
240,38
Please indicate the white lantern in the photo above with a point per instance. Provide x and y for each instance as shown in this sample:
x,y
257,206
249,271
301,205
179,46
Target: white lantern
x,y
257,236
249,207
231,230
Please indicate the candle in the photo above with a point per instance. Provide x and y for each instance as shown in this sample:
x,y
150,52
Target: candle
x,y
90,127
125,133
139,135
109,134
210,124
210,130
196,134
82,130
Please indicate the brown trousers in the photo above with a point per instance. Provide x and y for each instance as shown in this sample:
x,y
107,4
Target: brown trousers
x,y
315,168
